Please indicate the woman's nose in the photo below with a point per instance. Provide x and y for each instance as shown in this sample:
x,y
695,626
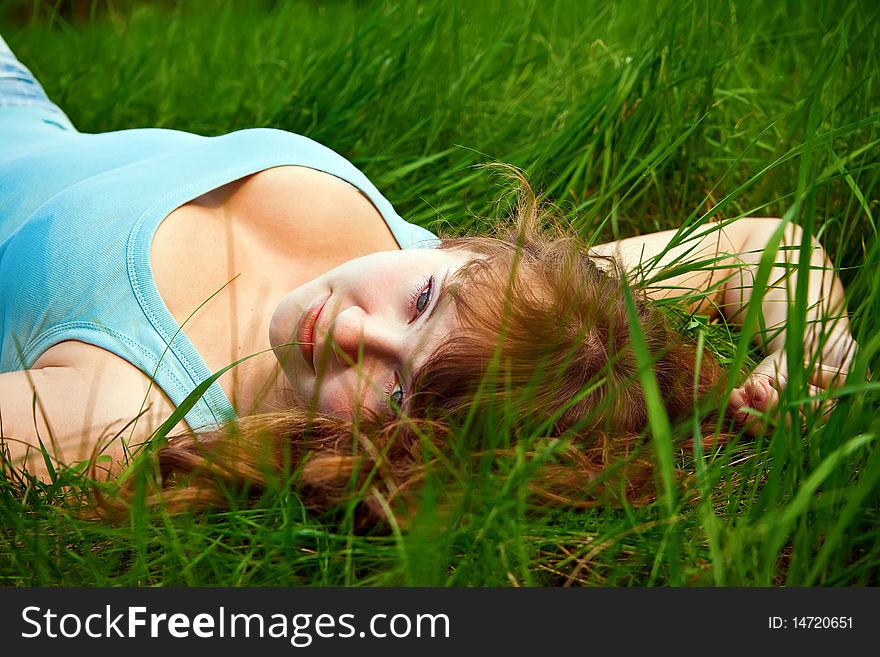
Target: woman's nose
x,y
357,336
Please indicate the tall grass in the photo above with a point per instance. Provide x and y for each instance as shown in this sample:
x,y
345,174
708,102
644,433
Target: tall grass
x,y
629,117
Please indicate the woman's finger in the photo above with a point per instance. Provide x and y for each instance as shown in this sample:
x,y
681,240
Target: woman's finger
x,y
750,402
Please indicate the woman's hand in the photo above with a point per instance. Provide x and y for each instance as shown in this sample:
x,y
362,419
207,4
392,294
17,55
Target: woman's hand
x,y
759,393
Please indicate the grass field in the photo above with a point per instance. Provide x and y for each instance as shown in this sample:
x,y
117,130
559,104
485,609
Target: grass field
x,y
630,117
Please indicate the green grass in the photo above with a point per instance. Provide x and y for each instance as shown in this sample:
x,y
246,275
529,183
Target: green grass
x,y
630,118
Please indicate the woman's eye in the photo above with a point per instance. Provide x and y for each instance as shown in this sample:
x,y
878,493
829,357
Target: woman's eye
x,y
422,301
396,399
425,297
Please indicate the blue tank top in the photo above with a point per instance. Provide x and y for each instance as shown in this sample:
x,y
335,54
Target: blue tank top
x,y
77,215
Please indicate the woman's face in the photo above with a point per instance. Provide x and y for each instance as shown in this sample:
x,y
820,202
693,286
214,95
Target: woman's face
x,y
354,336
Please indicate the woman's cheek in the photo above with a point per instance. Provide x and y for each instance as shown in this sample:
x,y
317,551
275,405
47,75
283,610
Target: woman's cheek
x,y
341,396
336,400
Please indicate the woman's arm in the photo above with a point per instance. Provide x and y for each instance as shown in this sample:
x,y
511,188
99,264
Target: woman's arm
x,y
78,402
730,259
43,409
828,345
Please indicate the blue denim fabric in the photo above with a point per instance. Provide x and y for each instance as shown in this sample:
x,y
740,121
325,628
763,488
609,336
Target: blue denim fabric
x,y
19,88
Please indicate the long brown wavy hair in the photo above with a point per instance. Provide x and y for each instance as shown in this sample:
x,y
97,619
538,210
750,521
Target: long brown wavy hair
x,y
543,364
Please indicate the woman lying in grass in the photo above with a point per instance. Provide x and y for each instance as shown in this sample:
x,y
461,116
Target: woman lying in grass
x,y
134,264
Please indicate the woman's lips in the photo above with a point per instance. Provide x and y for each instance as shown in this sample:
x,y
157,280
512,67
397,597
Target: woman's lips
x,y
305,334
